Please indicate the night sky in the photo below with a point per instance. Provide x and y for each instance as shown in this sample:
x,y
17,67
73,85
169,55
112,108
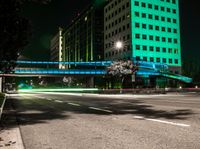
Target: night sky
x,y
45,20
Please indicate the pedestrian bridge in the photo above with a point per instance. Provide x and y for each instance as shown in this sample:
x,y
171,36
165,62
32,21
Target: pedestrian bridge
x,y
146,69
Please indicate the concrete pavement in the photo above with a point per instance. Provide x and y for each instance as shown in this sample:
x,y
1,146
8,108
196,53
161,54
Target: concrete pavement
x,y
10,135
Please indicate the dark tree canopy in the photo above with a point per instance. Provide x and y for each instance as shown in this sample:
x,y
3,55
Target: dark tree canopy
x,y
14,32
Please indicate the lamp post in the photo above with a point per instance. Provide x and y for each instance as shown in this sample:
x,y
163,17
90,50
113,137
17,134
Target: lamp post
x,y
119,45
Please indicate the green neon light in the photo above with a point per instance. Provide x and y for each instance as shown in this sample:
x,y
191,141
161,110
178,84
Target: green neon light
x,y
144,30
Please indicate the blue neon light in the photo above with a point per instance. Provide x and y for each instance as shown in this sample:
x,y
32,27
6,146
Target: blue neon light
x,y
96,63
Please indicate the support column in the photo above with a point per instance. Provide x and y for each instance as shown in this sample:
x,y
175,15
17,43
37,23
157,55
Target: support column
x,y
1,85
90,82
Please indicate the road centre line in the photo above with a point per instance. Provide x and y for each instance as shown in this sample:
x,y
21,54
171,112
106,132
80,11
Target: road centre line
x,y
73,104
162,121
93,108
58,101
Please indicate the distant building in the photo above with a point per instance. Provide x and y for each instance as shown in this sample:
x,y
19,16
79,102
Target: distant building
x,y
56,47
83,38
148,30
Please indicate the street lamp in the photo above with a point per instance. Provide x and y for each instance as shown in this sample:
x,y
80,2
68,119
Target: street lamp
x,y
119,45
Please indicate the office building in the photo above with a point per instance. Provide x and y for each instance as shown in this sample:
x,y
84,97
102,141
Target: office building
x,y
83,38
148,30
56,47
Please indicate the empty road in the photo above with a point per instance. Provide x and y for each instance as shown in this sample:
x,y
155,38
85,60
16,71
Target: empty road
x,y
89,121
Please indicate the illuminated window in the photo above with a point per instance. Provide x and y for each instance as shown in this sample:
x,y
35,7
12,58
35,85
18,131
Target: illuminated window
x,y
157,38
136,3
175,30
164,50
169,30
175,40
150,37
151,48
143,5
137,14
150,16
137,47
163,29
163,19
168,19
137,25
137,36
157,49
170,60
145,58
144,48
150,6
163,39
158,59
168,10
170,50
174,20
157,28
144,26
150,27
156,17
176,51
164,60
169,40
144,15
156,7
144,36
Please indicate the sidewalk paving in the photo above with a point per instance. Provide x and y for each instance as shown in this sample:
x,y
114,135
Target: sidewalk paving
x,y
10,136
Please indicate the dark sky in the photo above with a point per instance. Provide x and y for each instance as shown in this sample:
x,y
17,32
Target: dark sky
x,y
46,19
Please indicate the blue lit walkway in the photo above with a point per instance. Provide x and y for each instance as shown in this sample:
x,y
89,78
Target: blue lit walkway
x,y
97,72
146,69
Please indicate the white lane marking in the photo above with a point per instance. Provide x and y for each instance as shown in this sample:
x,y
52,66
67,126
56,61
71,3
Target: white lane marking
x,y
162,121
58,101
93,108
74,104
49,99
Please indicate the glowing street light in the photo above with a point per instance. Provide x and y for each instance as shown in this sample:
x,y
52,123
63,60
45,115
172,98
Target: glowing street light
x,y
119,45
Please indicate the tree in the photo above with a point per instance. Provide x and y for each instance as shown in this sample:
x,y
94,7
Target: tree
x,y
14,32
122,69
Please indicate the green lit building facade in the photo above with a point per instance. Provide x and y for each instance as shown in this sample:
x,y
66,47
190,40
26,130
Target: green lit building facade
x,y
149,30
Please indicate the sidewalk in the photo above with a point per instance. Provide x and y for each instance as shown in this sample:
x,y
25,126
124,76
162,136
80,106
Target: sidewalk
x,y
10,136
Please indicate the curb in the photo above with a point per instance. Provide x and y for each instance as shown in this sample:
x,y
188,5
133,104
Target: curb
x,y
1,108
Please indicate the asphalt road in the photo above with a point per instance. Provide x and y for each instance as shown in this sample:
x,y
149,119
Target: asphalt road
x,y
83,121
